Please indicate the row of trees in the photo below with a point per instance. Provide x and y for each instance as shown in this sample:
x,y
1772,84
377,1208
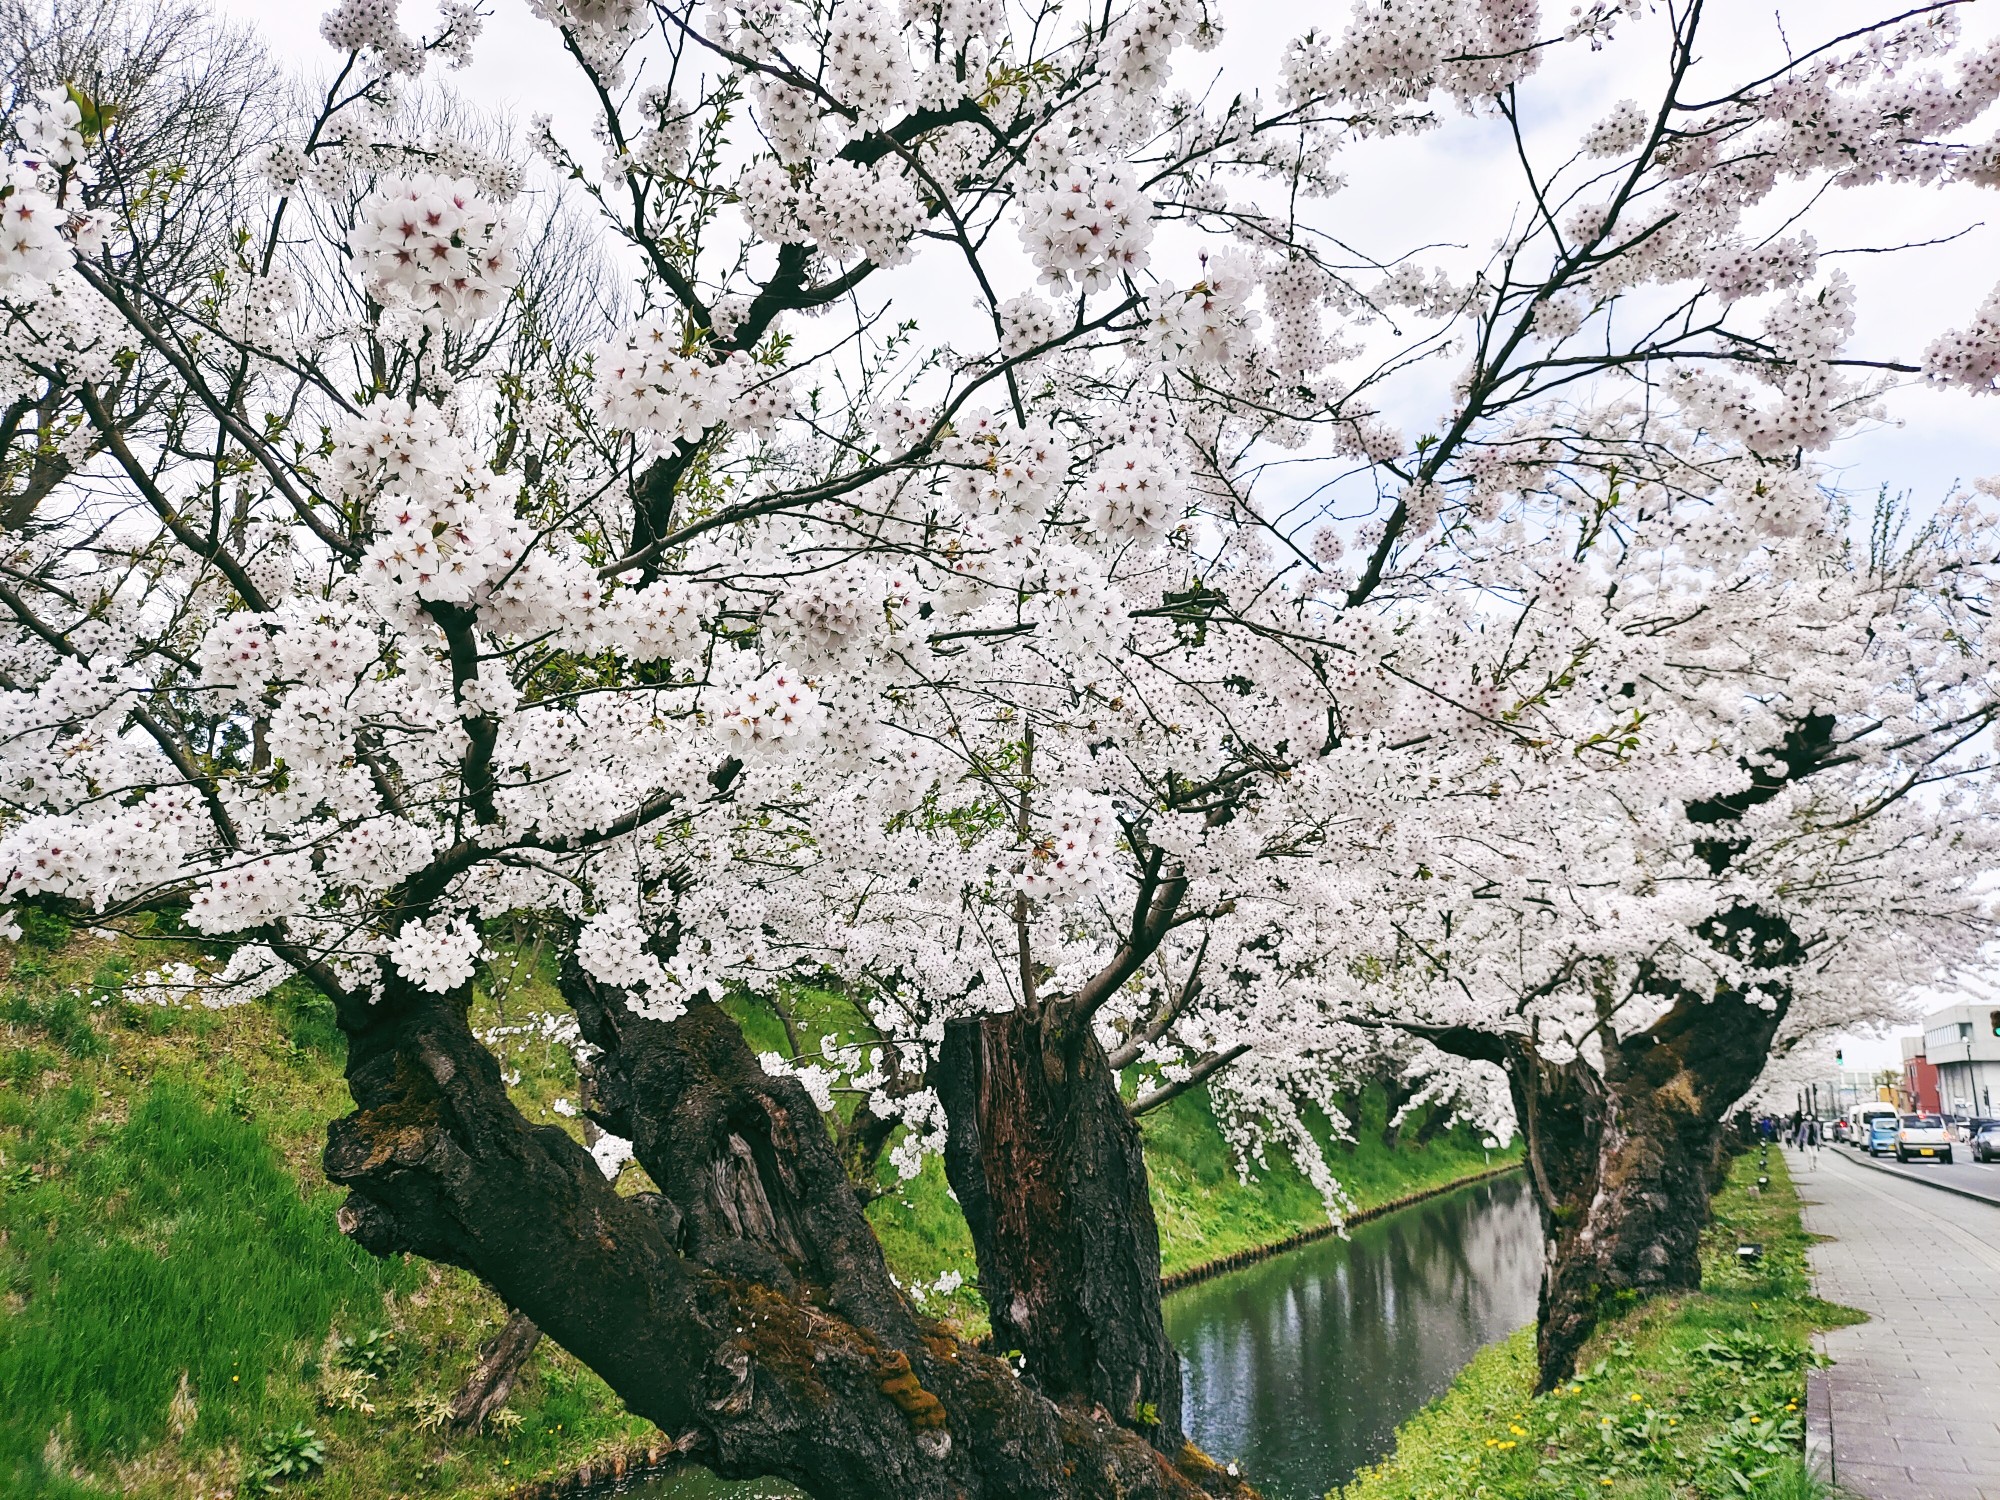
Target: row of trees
x,y
979,560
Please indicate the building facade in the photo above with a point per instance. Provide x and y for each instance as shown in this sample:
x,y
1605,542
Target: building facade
x,y
1961,1043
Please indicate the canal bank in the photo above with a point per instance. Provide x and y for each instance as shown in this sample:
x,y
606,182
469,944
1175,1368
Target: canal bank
x,y
1684,1397
1300,1368
1299,1365
1180,1280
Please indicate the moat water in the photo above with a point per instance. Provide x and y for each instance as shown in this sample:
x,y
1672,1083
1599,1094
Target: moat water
x,y
1299,1368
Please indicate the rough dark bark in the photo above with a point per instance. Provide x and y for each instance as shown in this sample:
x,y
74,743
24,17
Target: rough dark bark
x,y
1051,1175
501,1359
1622,1159
1625,1159
745,1308
1633,1221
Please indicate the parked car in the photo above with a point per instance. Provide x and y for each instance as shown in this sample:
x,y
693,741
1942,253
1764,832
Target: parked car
x,y
1986,1141
1919,1136
1882,1135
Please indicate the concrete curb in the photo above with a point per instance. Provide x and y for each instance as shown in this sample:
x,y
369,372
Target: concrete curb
x,y
1991,1200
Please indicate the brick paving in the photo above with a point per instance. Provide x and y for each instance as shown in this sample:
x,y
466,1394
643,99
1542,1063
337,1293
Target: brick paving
x,y
1911,1404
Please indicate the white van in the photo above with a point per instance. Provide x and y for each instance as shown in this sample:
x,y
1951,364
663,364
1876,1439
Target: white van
x,y
1860,1117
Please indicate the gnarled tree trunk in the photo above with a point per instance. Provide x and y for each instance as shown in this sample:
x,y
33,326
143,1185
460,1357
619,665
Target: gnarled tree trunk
x,y
1049,1170
1621,1158
1629,1215
1624,1160
745,1308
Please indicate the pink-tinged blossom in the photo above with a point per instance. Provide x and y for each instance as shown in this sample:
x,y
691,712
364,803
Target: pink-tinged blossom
x,y
435,244
438,954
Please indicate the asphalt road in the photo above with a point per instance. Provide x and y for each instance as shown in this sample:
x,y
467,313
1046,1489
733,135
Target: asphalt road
x,y
1981,1179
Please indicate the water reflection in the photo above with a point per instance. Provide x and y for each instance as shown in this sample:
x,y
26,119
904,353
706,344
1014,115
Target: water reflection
x,y
1300,1368
694,1483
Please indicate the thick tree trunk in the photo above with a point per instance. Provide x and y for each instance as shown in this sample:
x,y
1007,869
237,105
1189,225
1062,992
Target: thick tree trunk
x,y
1049,1170
1561,1108
745,1309
1622,1161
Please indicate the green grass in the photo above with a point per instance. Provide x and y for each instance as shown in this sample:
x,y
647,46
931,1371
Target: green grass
x,y
177,1249
174,1280
1206,1211
1690,1397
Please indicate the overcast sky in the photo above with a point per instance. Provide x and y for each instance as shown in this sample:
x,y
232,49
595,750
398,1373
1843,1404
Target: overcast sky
x,y
1456,186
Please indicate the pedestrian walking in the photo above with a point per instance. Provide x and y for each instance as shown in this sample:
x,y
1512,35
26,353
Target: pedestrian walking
x,y
1810,1142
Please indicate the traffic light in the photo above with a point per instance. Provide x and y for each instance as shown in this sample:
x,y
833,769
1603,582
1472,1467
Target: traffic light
x,y
1994,1017
1840,1053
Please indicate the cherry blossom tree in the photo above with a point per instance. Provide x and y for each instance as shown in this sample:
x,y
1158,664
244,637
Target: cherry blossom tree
x,y
907,584
1767,820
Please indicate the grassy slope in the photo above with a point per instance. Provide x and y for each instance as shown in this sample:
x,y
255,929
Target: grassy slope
x,y
175,1285
1207,1212
1683,1398
174,1276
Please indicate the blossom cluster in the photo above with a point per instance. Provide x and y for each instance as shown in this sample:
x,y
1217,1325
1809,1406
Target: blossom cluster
x,y
1969,356
1071,851
438,955
846,209
767,715
436,244
32,244
648,382
441,530
1087,227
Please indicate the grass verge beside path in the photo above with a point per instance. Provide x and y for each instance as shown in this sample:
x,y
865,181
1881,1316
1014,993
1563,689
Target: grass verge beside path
x,y
1697,1396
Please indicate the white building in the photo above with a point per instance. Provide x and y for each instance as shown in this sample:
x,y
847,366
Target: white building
x,y
1963,1043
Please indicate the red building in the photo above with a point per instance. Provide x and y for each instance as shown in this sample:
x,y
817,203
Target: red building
x,y
1918,1092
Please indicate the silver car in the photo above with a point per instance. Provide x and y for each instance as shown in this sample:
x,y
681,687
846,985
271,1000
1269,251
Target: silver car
x,y
1921,1137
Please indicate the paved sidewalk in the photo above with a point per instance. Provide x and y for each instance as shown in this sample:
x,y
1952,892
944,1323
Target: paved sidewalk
x,y
1914,1393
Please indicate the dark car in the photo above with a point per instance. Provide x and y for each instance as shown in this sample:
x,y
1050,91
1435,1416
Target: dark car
x,y
1986,1141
